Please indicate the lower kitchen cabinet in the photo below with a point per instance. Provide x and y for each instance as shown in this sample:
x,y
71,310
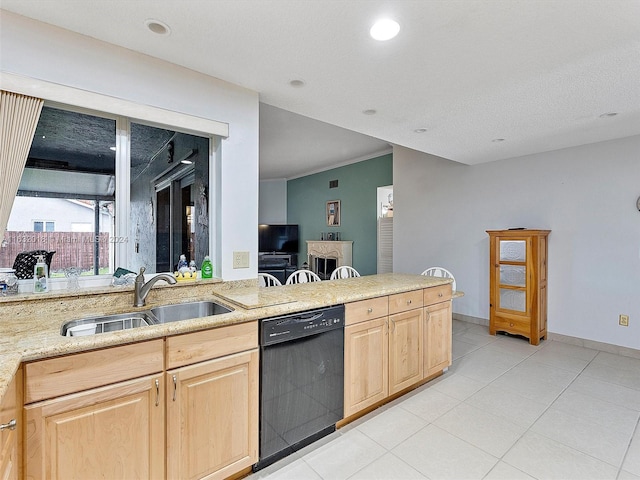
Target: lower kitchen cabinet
x,y
366,359
212,417
405,350
115,431
10,429
437,337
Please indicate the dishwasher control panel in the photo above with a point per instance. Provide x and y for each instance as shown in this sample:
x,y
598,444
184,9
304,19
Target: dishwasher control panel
x,y
301,324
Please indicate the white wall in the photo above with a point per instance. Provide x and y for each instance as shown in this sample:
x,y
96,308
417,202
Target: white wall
x,y
585,195
272,208
48,53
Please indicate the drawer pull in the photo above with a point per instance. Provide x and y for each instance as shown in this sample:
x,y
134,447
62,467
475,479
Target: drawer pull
x,y
440,294
369,310
9,426
511,324
408,302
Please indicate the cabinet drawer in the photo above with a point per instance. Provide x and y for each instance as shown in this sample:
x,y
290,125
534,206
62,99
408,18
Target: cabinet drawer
x,y
62,375
208,344
438,294
356,312
512,325
402,302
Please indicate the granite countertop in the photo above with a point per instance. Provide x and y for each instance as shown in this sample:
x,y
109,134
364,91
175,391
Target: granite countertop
x,y
30,325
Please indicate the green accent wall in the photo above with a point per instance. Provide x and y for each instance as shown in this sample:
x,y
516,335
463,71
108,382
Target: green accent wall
x,y
357,191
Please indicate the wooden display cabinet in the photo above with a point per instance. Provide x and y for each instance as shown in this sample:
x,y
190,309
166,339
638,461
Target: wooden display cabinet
x,y
518,283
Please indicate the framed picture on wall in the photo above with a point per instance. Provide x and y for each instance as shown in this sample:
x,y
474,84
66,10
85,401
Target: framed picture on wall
x,y
333,213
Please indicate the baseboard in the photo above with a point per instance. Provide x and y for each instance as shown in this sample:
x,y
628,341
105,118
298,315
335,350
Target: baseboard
x,y
470,319
581,342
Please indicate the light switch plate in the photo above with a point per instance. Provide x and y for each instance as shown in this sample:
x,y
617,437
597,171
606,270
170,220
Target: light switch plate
x,y
240,259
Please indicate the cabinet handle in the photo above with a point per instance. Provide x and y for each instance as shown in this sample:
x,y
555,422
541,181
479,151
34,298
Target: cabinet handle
x,y
10,426
175,387
369,310
408,302
157,392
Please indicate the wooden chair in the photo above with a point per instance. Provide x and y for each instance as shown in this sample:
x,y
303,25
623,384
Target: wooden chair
x,y
302,276
344,272
440,272
268,280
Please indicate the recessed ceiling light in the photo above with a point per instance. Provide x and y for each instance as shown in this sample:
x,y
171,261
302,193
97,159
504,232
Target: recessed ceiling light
x,y
384,29
370,111
186,162
420,130
297,83
497,140
608,114
112,148
157,27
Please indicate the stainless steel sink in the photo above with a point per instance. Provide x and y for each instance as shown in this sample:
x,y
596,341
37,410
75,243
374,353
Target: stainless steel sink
x,y
185,311
107,323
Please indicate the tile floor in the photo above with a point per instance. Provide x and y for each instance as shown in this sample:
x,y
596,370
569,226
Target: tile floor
x,y
504,410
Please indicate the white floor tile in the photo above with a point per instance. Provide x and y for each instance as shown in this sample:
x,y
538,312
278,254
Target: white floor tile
x,y
458,386
570,350
388,467
392,426
609,392
507,404
344,456
624,475
460,348
601,442
504,471
429,404
544,458
485,365
540,372
297,470
632,461
598,411
533,388
560,360
607,373
490,433
430,452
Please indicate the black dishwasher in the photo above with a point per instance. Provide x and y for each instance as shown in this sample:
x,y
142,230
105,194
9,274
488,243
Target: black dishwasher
x,y
301,380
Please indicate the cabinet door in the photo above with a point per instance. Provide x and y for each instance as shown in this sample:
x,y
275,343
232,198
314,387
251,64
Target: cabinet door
x,y
405,349
109,432
212,417
437,338
10,431
366,360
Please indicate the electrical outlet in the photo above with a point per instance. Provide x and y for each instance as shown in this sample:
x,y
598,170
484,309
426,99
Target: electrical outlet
x,y
240,259
624,320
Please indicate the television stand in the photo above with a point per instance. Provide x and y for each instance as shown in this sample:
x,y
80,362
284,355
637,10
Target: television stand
x,y
280,265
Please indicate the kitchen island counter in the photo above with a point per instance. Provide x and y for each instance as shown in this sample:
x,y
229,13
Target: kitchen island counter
x,y
30,325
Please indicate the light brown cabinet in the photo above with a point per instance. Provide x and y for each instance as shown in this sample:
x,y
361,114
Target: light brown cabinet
x,y
10,430
398,349
199,419
518,283
114,432
212,417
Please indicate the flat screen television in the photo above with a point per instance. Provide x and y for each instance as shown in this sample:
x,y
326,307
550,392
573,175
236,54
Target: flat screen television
x,y
278,238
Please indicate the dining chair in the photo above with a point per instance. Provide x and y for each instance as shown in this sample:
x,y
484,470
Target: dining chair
x,y
344,272
302,276
440,272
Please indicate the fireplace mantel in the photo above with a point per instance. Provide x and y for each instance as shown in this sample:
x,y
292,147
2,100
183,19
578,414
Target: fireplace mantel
x,y
340,251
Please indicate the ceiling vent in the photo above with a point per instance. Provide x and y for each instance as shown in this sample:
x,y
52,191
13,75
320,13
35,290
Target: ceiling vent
x,y
333,183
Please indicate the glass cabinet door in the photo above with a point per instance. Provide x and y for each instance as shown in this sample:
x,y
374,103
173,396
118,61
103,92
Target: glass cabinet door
x,y
512,275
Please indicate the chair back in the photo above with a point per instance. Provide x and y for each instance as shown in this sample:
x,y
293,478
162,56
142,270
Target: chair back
x,y
302,276
268,280
344,272
25,261
440,272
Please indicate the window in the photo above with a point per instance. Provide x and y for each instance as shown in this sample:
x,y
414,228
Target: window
x,y
42,226
75,162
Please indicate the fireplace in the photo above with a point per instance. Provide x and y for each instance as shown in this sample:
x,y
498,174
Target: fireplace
x,y
323,266
325,256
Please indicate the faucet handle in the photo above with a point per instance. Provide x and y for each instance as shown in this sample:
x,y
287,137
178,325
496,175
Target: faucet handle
x,y
140,276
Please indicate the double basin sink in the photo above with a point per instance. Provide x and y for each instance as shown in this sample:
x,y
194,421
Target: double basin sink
x,y
154,316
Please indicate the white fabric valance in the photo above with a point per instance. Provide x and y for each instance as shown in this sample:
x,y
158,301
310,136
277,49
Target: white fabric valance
x,y
19,116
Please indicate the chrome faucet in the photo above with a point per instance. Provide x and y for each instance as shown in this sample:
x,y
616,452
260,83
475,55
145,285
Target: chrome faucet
x,y
141,289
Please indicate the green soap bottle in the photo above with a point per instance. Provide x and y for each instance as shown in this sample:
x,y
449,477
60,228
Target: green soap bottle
x,y
207,268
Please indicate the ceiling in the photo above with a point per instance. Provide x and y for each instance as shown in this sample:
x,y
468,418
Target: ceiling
x,y
481,80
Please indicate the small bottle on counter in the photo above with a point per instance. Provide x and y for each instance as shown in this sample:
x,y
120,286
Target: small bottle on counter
x,y
40,275
207,268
